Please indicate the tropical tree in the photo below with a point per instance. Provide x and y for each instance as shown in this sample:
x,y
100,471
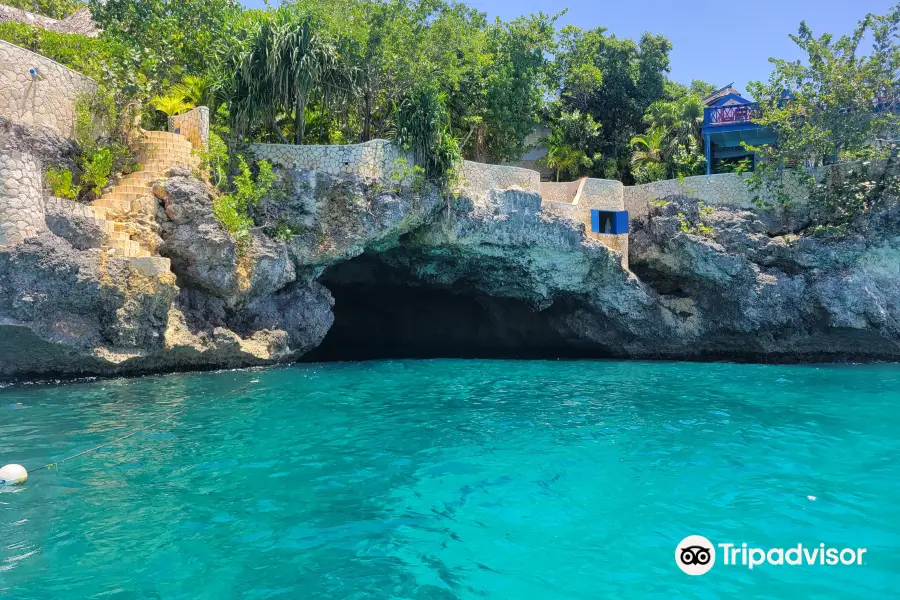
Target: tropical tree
x,y
563,156
171,104
650,155
614,81
422,126
837,104
274,76
675,126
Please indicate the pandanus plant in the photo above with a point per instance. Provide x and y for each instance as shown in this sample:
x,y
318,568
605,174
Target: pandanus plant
x,y
283,64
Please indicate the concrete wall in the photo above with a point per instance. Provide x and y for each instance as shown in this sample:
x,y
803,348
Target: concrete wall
x,y
194,125
372,159
21,197
48,101
79,22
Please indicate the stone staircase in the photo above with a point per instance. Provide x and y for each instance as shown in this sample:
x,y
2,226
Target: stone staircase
x,y
132,200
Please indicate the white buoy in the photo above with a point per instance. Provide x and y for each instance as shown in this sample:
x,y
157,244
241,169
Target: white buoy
x,y
13,475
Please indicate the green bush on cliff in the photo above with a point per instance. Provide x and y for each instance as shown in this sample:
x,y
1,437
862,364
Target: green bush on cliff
x,y
233,209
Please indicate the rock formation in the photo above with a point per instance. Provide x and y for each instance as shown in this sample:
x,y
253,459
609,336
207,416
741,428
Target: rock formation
x,y
417,273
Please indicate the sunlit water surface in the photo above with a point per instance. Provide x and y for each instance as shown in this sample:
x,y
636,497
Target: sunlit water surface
x,y
452,479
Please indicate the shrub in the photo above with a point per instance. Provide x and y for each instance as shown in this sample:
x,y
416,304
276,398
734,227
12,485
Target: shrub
x,y
60,181
97,166
422,126
233,209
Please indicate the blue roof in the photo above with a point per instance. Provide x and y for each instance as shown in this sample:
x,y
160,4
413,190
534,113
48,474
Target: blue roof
x,y
727,98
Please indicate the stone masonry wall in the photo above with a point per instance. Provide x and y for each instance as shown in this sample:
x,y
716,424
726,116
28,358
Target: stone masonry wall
x,y
79,22
478,178
194,125
372,159
48,99
560,192
728,189
21,197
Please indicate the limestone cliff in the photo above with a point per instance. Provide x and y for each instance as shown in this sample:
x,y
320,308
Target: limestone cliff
x,y
414,273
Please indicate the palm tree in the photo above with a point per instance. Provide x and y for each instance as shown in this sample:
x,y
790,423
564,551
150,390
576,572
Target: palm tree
x,y
563,157
653,148
679,121
196,90
276,74
171,104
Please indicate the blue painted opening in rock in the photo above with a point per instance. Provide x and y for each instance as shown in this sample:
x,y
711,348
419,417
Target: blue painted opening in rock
x,y
612,222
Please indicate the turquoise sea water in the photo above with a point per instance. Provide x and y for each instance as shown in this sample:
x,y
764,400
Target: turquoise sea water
x,y
452,479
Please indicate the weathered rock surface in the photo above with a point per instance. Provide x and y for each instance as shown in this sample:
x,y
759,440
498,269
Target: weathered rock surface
x,y
491,269
746,290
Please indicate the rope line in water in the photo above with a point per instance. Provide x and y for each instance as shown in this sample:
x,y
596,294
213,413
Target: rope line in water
x,y
169,417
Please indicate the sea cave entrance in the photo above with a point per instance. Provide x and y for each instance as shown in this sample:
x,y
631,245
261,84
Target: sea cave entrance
x,y
382,312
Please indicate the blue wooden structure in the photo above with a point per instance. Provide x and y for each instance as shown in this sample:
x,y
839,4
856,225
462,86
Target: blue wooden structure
x,y
728,121
612,222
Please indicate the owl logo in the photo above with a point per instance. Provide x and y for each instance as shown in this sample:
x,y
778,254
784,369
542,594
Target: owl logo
x,y
695,555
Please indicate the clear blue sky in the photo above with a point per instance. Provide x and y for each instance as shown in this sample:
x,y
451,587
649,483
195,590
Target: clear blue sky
x,y
718,42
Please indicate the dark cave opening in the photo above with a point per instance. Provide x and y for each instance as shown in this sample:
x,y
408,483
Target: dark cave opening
x,y
380,312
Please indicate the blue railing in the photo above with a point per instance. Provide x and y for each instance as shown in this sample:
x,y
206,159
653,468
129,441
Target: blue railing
x,y
727,115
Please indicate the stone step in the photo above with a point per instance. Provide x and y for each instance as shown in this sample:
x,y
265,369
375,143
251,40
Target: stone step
x,y
120,236
165,167
117,226
138,178
116,194
177,144
163,157
112,204
129,188
129,247
178,141
164,136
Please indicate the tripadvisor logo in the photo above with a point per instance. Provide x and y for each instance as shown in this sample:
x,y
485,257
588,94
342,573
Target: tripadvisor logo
x,y
696,555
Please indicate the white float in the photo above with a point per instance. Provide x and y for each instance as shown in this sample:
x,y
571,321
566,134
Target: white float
x,y
13,475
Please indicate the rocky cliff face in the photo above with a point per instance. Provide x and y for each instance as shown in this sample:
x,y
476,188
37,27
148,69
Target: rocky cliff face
x,y
416,274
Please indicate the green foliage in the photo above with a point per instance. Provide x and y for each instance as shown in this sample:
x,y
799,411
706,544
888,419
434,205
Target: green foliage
x,y
97,131
821,108
738,166
671,147
405,174
214,161
422,127
286,60
171,104
169,37
565,145
701,227
614,81
60,181
97,165
233,209
56,9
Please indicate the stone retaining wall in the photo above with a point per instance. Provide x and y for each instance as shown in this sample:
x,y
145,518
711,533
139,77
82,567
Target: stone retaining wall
x,y
21,197
729,189
560,192
48,98
374,159
478,178
194,125
79,22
